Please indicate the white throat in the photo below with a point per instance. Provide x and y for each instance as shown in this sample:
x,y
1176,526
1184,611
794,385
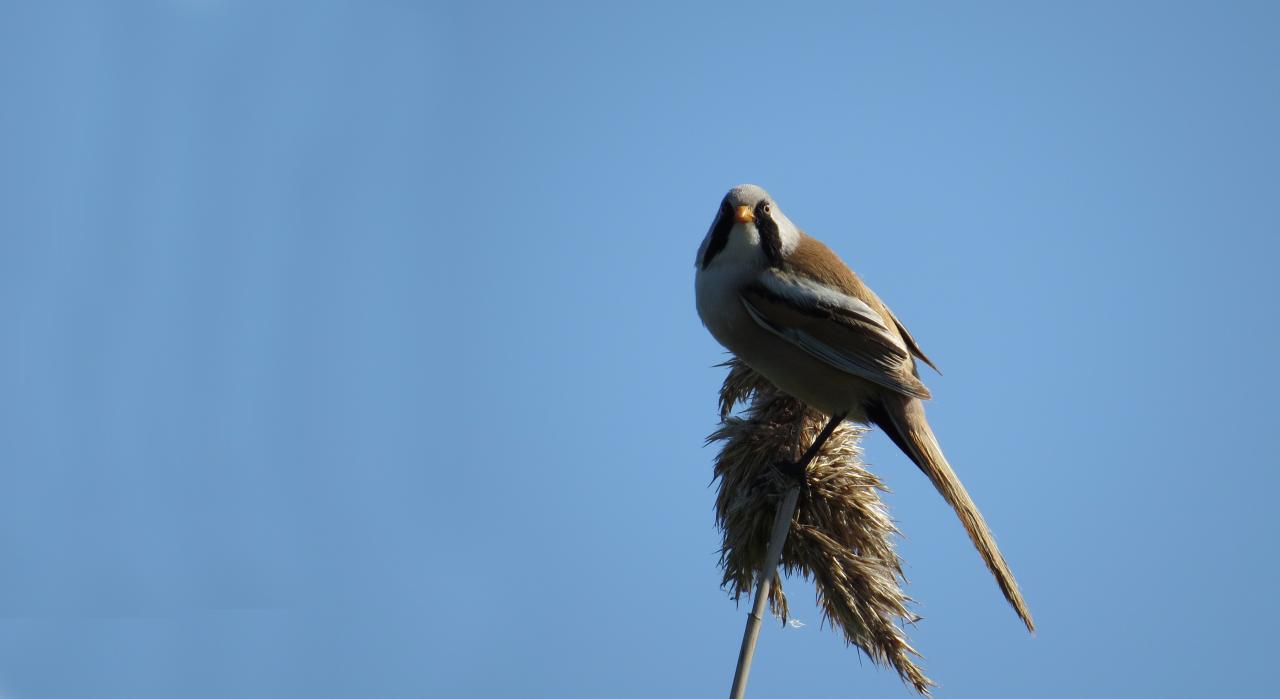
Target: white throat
x,y
743,250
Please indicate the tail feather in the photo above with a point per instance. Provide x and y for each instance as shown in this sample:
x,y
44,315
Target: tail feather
x,y
904,422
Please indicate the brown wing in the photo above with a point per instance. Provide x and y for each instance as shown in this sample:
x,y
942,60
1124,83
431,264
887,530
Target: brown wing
x,y
911,341
821,263
841,330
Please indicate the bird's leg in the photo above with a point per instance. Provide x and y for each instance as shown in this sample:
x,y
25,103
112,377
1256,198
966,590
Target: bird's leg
x,y
795,470
790,470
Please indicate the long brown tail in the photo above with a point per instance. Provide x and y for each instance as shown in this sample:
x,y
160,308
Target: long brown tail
x,y
902,418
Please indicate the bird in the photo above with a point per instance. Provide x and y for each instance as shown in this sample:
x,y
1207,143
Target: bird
x,y
793,311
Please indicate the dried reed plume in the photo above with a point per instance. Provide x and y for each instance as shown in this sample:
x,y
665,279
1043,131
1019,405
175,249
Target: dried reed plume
x,y
841,537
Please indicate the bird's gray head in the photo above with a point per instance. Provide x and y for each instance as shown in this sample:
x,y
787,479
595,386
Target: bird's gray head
x,y
749,227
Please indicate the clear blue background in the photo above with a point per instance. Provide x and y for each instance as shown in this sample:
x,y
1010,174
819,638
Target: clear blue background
x,y
349,348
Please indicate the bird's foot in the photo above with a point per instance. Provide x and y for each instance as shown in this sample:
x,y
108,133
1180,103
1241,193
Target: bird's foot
x,y
782,474
790,470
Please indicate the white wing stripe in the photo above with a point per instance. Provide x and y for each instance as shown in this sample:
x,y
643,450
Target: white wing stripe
x,y
824,352
804,292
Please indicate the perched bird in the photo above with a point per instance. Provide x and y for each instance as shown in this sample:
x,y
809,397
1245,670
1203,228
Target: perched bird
x,y
785,304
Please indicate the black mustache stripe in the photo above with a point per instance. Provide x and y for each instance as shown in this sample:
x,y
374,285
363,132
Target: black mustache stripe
x,y
770,238
719,233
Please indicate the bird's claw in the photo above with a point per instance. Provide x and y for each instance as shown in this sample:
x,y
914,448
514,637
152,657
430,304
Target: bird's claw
x,y
790,470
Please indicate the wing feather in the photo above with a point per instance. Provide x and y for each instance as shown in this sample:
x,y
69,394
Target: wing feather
x,y
911,342
834,327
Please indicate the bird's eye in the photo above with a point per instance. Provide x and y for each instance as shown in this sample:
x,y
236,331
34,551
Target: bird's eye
x,y
767,208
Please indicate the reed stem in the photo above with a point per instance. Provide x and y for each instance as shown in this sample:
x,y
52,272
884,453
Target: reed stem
x,y
773,555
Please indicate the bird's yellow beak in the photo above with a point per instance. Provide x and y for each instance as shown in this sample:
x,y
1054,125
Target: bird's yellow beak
x,y
744,215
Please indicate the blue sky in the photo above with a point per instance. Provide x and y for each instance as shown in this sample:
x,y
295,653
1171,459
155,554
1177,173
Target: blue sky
x,y
350,348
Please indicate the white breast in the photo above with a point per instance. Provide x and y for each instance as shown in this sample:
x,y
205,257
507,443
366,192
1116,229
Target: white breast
x,y
717,286
789,368
719,305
